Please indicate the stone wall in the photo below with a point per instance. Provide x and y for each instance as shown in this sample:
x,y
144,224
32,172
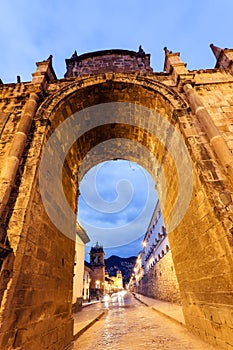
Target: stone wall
x,y
36,277
108,61
160,282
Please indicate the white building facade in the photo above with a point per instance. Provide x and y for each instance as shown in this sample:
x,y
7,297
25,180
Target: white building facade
x,y
86,282
81,240
154,274
155,243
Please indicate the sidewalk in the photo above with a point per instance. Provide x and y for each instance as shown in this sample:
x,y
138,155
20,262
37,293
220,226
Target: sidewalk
x,y
87,317
90,303
172,311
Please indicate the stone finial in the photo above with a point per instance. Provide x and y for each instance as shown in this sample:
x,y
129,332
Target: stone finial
x,y
174,66
166,50
216,50
50,58
167,65
140,50
44,73
224,58
75,55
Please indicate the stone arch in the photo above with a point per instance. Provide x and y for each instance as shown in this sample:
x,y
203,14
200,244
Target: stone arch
x,y
117,88
45,243
57,99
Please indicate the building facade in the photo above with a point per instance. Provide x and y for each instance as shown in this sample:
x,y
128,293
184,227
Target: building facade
x,y
154,273
117,280
81,239
87,282
113,283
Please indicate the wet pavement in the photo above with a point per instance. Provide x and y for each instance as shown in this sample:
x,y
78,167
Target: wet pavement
x,y
90,314
130,325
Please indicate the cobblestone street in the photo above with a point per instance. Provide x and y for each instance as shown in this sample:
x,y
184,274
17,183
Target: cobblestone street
x,y
130,325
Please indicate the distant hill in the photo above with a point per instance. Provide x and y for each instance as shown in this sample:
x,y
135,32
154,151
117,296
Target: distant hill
x,y
126,265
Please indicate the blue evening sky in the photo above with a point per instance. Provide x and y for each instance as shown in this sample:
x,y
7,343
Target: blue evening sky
x,y
32,30
132,190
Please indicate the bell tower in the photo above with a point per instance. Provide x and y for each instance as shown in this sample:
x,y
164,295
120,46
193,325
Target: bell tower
x,y
98,270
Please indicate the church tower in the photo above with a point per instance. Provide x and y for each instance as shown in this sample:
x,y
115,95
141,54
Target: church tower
x,y
98,270
119,279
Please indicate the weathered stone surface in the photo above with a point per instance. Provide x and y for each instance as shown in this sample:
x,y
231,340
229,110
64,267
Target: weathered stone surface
x,y
160,281
36,278
108,61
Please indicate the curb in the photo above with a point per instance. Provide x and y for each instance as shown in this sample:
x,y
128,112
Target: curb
x,y
88,325
143,302
169,317
91,303
160,312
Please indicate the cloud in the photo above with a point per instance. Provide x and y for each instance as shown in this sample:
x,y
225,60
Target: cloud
x,y
124,251
125,225
103,188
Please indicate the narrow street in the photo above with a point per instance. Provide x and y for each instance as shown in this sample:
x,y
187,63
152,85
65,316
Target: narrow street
x,y
130,325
